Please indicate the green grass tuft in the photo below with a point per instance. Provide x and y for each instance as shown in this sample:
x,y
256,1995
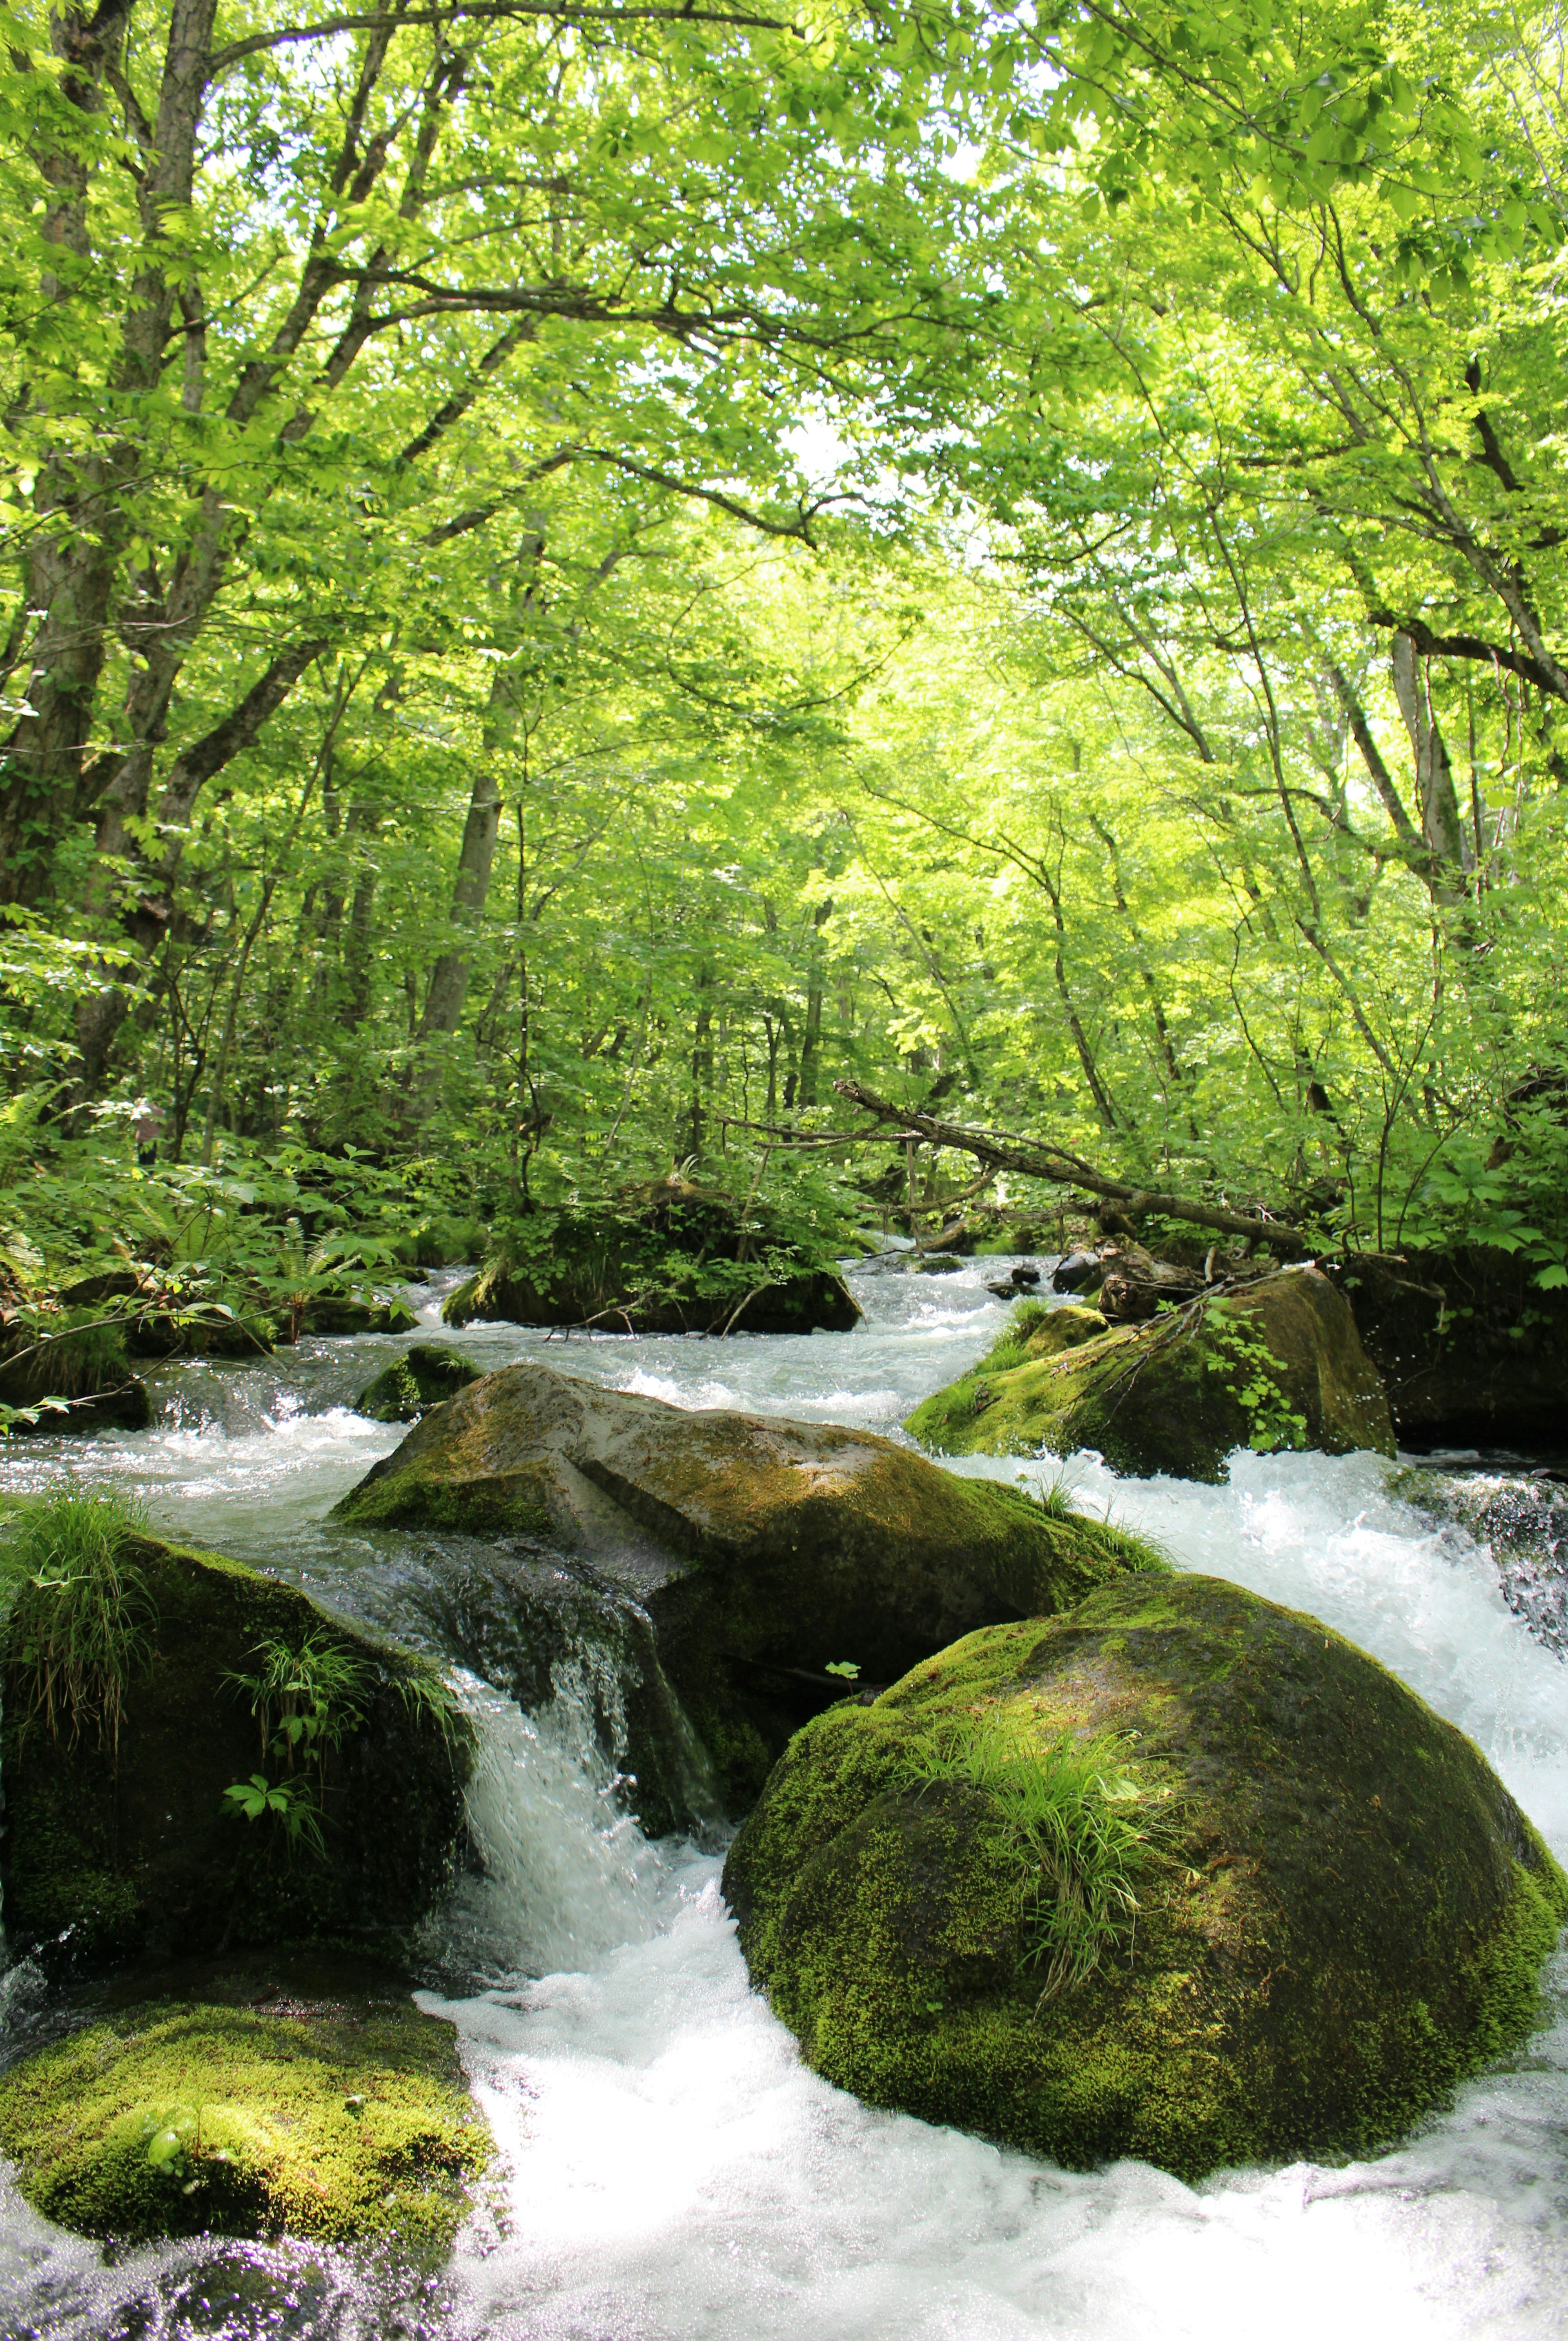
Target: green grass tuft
x,y
85,1619
1079,1819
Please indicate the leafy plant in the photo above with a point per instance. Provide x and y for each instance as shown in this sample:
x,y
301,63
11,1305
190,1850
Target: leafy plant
x,y
1251,1372
429,1700
305,1700
290,1805
86,1619
1078,1820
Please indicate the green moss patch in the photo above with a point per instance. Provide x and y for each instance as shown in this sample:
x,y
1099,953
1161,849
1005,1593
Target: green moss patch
x,y
337,2121
1277,1365
1341,1910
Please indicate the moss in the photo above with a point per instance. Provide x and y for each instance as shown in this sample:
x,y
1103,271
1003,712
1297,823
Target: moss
x,y
1282,1366
142,1856
335,2121
1343,1912
422,1378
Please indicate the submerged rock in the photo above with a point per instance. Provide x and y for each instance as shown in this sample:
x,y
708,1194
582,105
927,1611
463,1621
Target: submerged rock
x,y
423,1377
765,1552
127,1845
300,2098
1276,1365
673,1259
1339,1911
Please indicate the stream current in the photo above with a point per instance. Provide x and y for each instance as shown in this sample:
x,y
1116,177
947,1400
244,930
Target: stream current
x,y
671,2171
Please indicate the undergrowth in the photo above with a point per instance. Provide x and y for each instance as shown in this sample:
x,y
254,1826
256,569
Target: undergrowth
x,y
1080,1821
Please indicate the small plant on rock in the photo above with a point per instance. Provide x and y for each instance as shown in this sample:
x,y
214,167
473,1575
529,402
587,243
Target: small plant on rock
x,y
1079,1821
85,1619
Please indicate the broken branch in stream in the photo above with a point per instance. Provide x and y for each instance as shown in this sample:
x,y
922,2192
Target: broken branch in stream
x,y
1000,1151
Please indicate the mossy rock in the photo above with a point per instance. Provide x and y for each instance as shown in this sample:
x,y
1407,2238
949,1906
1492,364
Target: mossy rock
x,y
1473,1352
1278,1364
1341,1911
75,1357
675,1259
337,1313
423,1377
142,1856
339,2120
763,1550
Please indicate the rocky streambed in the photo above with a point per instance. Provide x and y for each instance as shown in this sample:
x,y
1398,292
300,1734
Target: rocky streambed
x,y
667,2163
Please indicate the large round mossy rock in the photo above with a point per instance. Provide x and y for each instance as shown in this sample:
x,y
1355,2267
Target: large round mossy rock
x,y
1341,1911
1276,1365
122,1846
425,1376
670,1257
70,1371
338,2120
765,1551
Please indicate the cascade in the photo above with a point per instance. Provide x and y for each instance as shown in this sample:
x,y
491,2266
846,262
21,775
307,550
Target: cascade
x,y
672,2169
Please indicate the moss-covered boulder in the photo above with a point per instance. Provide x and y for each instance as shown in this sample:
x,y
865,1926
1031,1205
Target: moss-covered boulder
x,y
355,1313
672,1258
765,1551
69,1369
426,1374
1277,1364
332,2113
1340,1911
124,1844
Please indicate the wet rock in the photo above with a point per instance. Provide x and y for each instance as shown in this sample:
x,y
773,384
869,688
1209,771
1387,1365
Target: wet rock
x,y
675,1259
1472,1351
1340,1911
1276,1364
311,2097
1079,1271
423,1377
1522,1522
540,1627
764,1551
127,1846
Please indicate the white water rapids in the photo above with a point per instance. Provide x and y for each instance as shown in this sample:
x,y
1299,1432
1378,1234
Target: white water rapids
x,y
672,2171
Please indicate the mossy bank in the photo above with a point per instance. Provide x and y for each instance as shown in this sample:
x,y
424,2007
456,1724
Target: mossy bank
x,y
338,2116
1277,1364
1341,1910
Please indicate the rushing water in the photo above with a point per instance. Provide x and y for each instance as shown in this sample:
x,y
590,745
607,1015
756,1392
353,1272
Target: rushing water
x,y
672,2171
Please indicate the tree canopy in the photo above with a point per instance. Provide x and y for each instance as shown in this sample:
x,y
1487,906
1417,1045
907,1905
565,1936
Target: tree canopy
x,y
575,574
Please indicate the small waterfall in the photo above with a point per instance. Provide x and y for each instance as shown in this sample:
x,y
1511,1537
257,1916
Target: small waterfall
x,y
567,1874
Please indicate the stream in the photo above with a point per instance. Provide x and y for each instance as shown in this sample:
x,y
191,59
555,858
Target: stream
x,y
672,2170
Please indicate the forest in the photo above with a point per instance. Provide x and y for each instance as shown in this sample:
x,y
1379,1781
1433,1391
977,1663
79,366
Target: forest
x,y
574,575
784,1170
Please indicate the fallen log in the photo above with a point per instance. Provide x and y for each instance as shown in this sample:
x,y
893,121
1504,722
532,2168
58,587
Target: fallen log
x,y
1002,1150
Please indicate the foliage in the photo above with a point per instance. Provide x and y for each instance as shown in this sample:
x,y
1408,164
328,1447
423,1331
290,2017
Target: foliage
x,y
1077,1816
1055,604
1250,1372
84,1621
290,1805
